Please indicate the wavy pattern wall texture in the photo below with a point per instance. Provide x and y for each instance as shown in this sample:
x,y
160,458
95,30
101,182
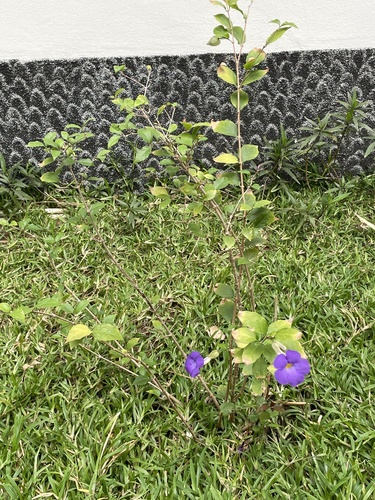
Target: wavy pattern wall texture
x,y
39,96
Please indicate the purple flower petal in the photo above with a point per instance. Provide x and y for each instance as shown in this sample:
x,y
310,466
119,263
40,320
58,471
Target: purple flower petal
x,y
282,376
293,356
303,366
291,368
280,361
194,363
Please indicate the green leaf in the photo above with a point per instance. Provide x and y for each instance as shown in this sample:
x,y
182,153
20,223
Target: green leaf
x,y
244,337
257,387
196,229
221,183
110,319
66,307
141,380
50,178
244,99
223,290
86,162
260,368
35,144
254,57
185,138
196,207
213,41
293,345
221,32
78,332
248,233
226,158
158,191
157,325
46,303
210,192
224,20
226,74
233,178
5,308
131,343
261,217
189,188
248,202
239,34
225,127
227,408
66,162
221,391
254,321
280,324
146,133
261,203
106,332
172,128
268,352
226,310
254,75
96,207
229,241
19,314
113,141
249,152
237,355
287,334
252,352
117,69
171,168
141,100
277,34
81,306
247,370
142,154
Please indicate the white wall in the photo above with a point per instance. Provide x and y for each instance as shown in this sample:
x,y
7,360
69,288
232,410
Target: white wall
x,y
54,29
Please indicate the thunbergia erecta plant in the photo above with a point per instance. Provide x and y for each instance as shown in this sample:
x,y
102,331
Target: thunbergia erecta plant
x,y
250,347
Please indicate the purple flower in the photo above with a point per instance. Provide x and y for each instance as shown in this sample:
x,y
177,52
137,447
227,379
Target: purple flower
x,y
291,368
194,363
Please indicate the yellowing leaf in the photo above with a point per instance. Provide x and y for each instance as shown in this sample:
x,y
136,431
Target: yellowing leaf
x,y
78,332
243,337
280,324
158,191
226,74
254,57
226,158
252,352
254,321
287,334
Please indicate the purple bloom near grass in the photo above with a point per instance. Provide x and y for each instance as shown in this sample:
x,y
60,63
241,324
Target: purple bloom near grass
x,y
194,363
291,368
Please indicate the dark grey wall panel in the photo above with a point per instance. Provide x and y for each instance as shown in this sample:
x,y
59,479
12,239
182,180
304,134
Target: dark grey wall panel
x,y
39,96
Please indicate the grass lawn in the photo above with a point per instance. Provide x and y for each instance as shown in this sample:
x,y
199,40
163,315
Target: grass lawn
x,y
74,426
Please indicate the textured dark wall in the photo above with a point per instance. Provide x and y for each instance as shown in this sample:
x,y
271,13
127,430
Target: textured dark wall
x,y
38,96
